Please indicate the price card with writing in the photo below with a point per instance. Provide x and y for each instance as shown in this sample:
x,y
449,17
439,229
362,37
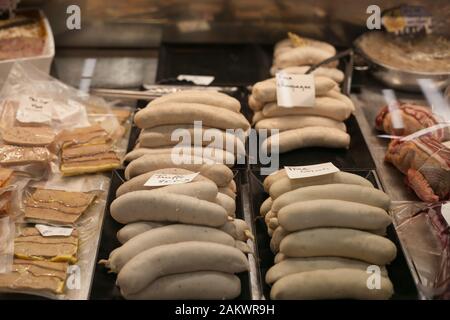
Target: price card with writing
x,y
295,90
199,80
299,172
51,231
34,110
162,179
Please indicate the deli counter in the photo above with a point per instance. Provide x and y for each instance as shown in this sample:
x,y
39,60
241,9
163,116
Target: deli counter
x,y
277,149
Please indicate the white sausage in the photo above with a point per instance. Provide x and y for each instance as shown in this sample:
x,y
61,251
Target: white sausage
x,y
173,233
133,229
191,286
153,205
177,258
324,107
238,229
339,242
329,284
227,203
332,213
219,173
307,137
179,113
285,184
345,192
298,265
212,98
296,122
265,206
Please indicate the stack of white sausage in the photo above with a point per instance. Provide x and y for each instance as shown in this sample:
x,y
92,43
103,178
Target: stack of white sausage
x,y
217,113
318,126
326,231
180,241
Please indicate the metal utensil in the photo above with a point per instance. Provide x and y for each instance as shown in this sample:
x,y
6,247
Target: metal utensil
x,y
397,78
154,91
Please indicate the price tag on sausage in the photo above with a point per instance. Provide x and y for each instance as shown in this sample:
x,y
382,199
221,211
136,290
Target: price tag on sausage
x,y
162,179
295,90
34,110
299,172
198,80
51,231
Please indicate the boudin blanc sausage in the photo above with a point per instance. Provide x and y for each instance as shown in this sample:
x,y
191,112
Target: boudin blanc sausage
x,y
179,113
330,284
178,258
173,233
191,286
332,213
324,107
219,173
133,229
212,98
306,137
297,122
339,242
297,265
285,184
154,205
337,191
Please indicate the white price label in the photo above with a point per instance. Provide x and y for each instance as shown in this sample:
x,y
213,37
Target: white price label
x,y
445,211
295,90
51,231
299,172
161,179
34,110
199,80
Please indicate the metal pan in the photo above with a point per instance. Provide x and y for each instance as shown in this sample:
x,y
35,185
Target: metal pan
x,y
397,78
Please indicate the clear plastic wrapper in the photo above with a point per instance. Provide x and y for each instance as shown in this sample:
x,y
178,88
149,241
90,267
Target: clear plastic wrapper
x,y
424,232
78,275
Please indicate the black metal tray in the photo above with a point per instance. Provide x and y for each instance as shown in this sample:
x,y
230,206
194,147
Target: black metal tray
x,y
230,64
103,285
357,156
399,273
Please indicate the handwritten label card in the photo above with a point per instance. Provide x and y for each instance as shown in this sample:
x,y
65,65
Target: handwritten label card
x,y
299,172
198,80
295,90
161,179
34,110
51,231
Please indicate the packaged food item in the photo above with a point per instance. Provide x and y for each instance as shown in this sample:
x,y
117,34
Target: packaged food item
x,y
56,206
16,155
21,37
425,161
411,118
31,245
28,136
86,150
35,276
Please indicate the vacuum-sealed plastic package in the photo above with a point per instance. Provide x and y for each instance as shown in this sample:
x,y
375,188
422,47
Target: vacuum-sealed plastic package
x,y
424,232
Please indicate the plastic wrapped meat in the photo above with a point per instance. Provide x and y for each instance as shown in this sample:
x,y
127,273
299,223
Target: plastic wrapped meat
x,y
426,163
414,118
